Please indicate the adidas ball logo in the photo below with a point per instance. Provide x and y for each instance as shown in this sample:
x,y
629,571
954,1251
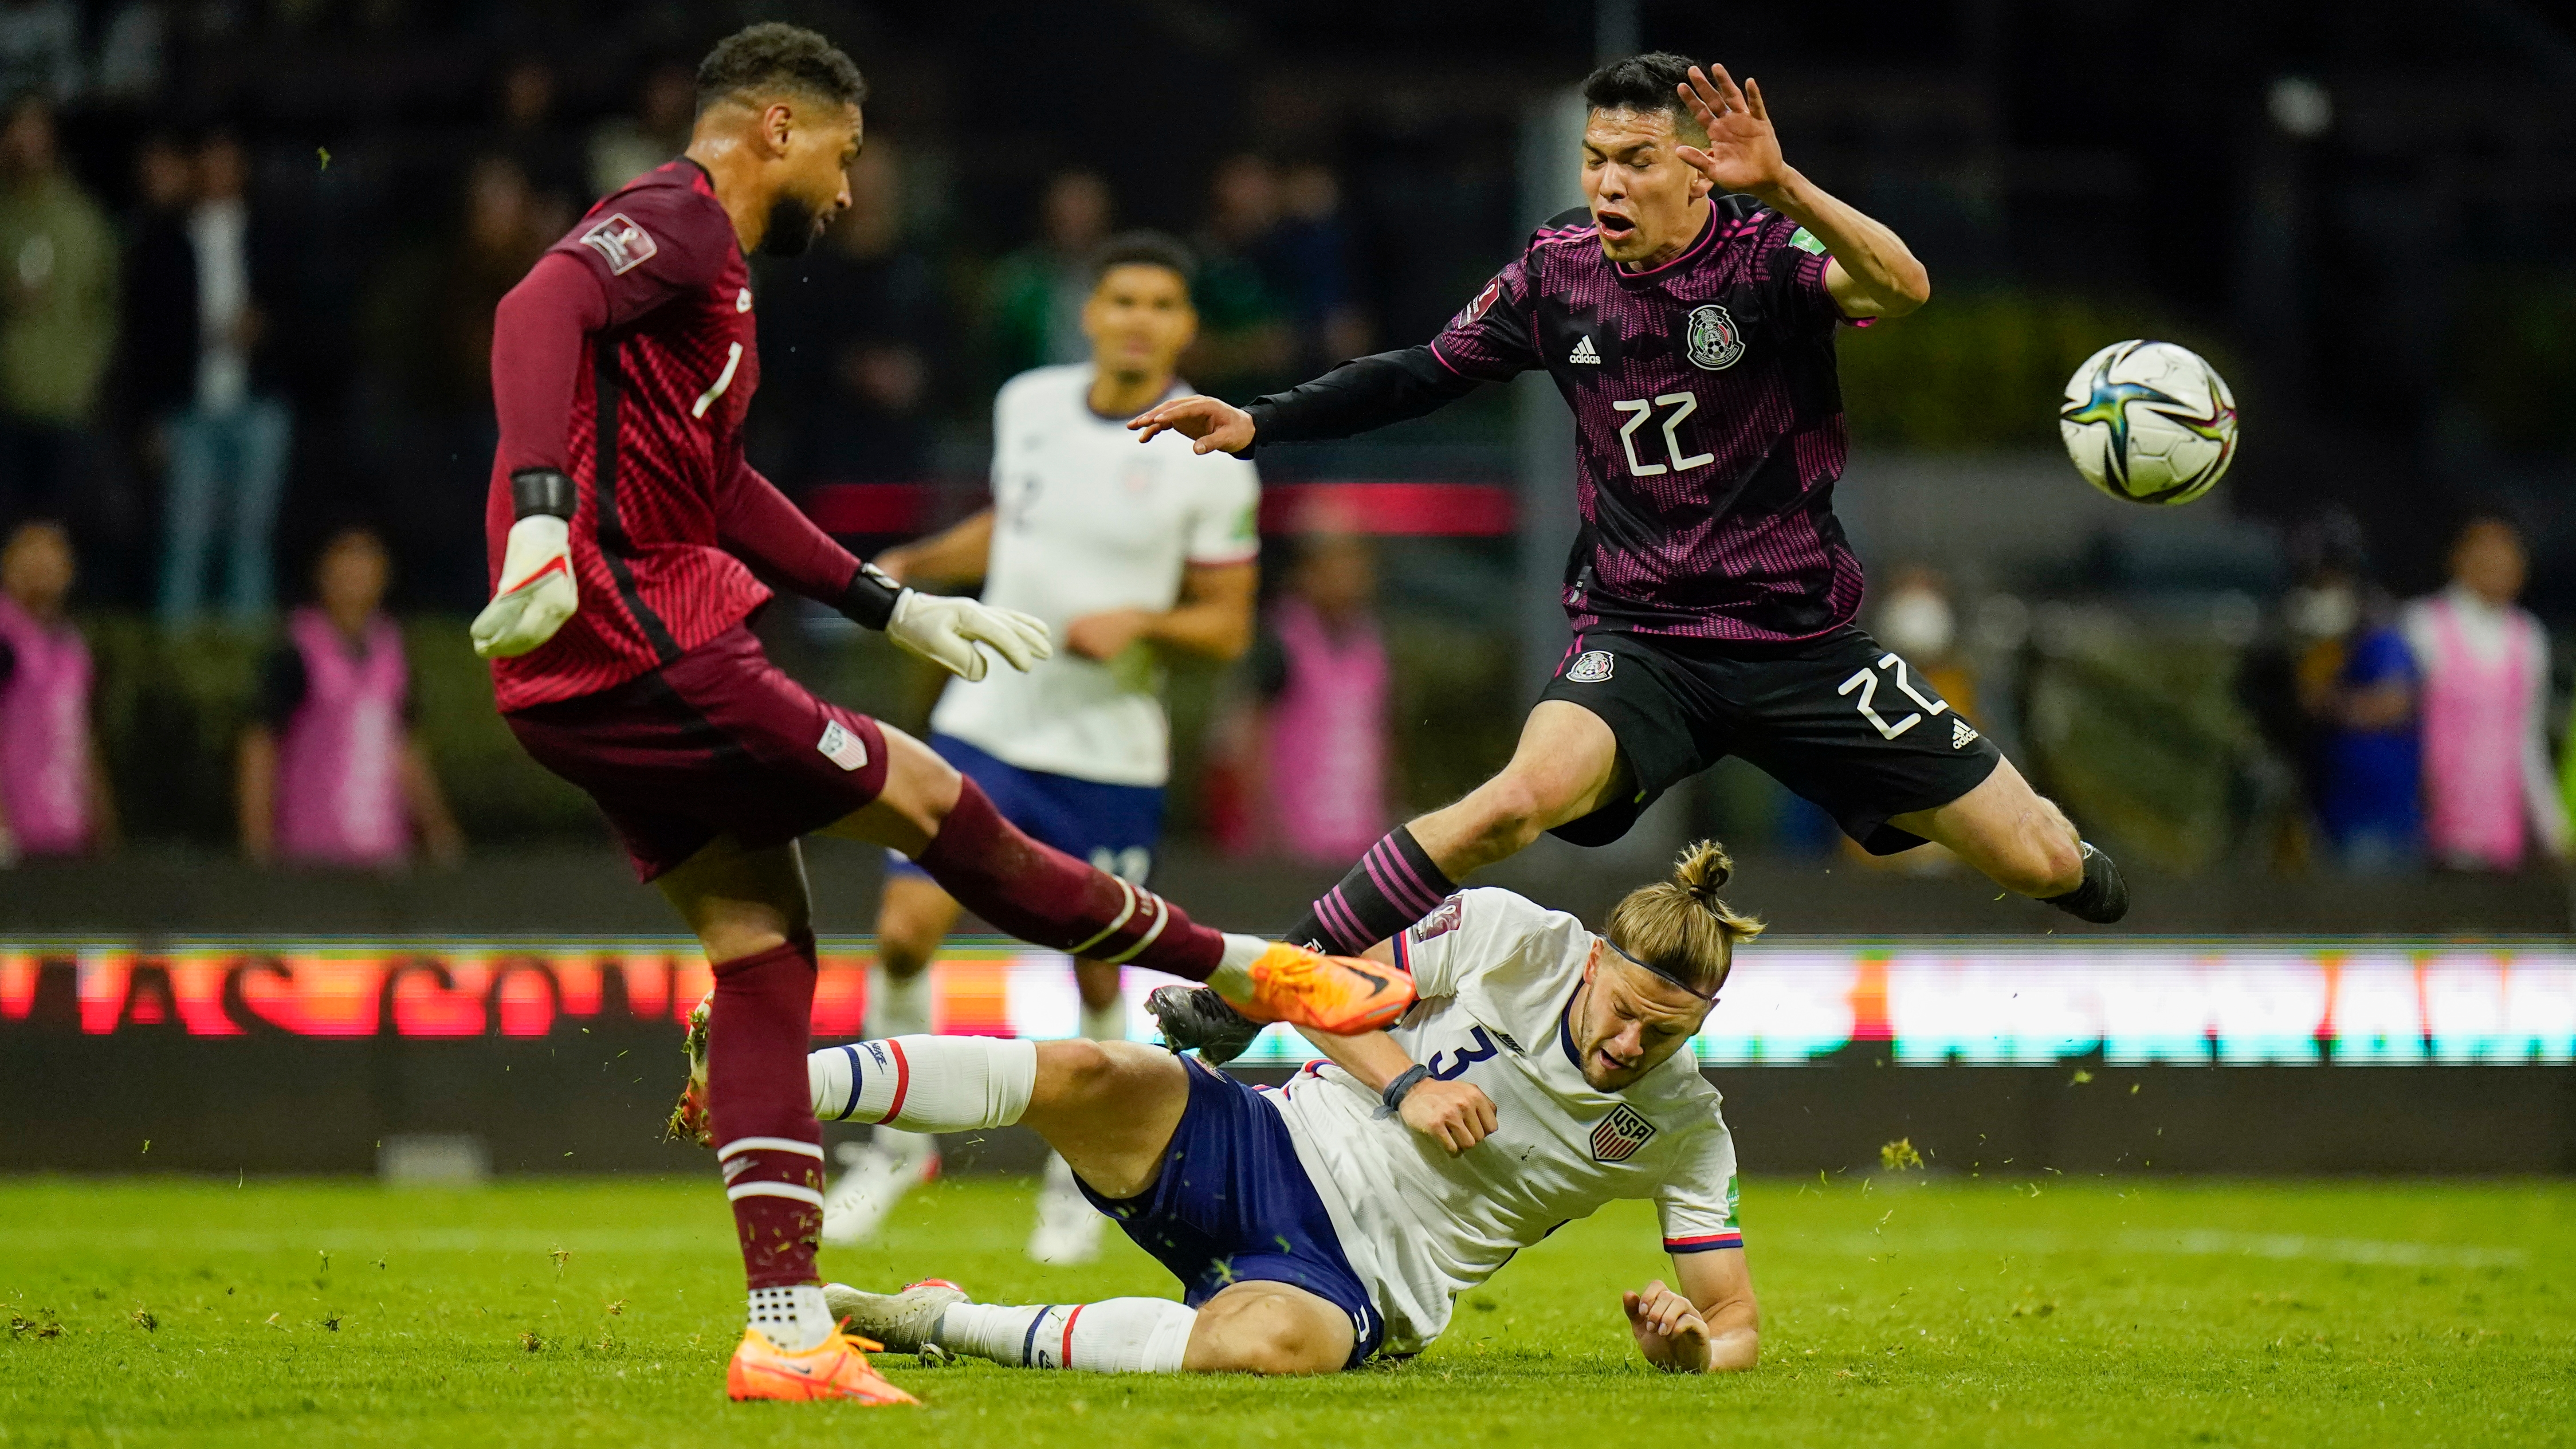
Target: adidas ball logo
x,y
1583,352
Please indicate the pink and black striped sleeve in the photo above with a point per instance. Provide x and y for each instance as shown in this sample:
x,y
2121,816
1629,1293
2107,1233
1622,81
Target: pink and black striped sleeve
x,y
1490,340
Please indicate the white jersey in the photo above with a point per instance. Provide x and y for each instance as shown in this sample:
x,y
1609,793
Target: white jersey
x,y
1086,519
1496,973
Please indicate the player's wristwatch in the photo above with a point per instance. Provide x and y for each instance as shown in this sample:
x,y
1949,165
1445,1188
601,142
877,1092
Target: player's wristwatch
x,y
1396,1091
870,598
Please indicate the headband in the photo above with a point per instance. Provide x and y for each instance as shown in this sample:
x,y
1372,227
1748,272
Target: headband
x,y
1655,969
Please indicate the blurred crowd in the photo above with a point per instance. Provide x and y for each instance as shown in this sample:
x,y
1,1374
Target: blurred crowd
x,y
206,370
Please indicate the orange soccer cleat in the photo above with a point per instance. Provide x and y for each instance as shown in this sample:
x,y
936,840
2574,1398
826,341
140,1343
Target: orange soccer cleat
x,y
688,1121
837,1370
1343,995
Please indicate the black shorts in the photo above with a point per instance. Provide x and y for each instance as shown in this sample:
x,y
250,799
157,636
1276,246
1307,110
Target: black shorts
x,y
1837,718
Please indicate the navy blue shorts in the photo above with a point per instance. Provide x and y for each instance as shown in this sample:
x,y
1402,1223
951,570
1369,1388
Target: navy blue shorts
x,y
1234,1205
1114,827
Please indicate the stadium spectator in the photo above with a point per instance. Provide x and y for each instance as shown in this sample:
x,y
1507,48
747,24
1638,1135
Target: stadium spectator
x,y
1245,340
429,334
2484,667
40,50
2353,687
1311,257
625,147
1037,292
54,797
228,442
849,336
547,154
1321,668
57,315
330,773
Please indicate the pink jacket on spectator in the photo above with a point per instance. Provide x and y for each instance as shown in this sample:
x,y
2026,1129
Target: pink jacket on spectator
x,y
2487,784
339,768
44,735
1328,737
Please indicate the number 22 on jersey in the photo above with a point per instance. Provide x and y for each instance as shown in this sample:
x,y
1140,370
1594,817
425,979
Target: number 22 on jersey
x,y
1683,404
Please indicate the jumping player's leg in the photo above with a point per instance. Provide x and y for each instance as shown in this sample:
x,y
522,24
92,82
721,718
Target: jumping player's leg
x,y
1566,766
2021,841
948,826
2005,830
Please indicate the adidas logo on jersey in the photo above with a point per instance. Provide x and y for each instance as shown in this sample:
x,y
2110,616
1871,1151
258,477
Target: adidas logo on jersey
x,y
1583,352
1960,733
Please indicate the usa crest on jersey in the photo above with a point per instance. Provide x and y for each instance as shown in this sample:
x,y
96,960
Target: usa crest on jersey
x,y
1620,1134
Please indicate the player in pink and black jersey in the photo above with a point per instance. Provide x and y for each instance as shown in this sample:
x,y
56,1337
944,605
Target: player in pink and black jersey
x,y
1687,313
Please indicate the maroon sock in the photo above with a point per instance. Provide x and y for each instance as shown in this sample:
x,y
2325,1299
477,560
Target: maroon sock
x,y
1044,896
762,1112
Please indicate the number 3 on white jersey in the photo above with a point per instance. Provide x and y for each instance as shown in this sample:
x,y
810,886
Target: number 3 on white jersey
x,y
1683,404
1866,681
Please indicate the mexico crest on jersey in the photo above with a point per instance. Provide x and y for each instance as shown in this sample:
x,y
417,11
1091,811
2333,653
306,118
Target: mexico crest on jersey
x,y
1620,1135
1712,339
1591,666
625,245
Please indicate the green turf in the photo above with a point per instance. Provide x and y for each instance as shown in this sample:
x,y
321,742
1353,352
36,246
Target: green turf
x,y
1903,1311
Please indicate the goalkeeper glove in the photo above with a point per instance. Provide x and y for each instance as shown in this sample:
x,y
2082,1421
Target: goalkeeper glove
x,y
944,630
536,593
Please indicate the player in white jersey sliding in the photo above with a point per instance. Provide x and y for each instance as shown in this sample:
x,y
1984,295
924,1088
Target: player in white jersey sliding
x,y
1122,555
1543,1072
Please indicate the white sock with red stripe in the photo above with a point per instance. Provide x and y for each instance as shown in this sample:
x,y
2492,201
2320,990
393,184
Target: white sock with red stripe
x,y
925,1083
1112,1336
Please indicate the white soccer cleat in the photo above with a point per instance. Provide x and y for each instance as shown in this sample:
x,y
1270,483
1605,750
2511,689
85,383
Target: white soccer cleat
x,y
1068,1230
904,1322
873,1179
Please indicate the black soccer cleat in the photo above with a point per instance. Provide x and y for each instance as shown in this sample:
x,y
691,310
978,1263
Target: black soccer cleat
x,y
2104,896
1195,1017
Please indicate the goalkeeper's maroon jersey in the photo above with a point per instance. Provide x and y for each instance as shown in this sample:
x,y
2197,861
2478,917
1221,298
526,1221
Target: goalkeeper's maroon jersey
x,y
1708,416
650,433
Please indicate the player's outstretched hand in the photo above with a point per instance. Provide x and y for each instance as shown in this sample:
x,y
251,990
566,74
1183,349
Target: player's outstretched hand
x,y
1669,1331
536,593
948,631
1216,426
1456,1115
1743,151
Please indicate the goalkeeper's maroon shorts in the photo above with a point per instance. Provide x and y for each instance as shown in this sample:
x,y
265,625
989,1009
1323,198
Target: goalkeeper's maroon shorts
x,y
717,742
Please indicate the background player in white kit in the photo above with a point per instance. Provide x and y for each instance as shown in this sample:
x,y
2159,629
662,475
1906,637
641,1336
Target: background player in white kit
x,y
1122,554
1544,1071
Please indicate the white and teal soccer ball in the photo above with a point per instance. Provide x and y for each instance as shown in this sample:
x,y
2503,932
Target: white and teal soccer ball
x,y
2149,422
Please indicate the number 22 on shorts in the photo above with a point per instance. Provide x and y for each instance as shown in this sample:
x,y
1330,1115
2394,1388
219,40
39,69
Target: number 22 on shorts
x,y
1866,681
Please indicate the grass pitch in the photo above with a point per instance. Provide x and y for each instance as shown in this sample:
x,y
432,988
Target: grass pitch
x,y
1896,1311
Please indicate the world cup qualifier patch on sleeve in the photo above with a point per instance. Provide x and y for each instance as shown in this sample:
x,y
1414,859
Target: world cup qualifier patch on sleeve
x,y
1440,922
625,245
842,747
1591,666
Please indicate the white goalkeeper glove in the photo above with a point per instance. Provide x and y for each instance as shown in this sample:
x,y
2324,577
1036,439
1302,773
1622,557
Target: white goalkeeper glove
x,y
536,594
947,630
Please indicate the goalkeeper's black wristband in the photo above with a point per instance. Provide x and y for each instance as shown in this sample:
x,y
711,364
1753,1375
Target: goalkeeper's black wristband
x,y
870,598
1396,1091
542,490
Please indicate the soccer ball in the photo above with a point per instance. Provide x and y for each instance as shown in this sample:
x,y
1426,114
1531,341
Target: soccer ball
x,y
2149,422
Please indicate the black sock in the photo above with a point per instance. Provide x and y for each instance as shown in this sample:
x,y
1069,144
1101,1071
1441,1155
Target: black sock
x,y
1393,886
2104,896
